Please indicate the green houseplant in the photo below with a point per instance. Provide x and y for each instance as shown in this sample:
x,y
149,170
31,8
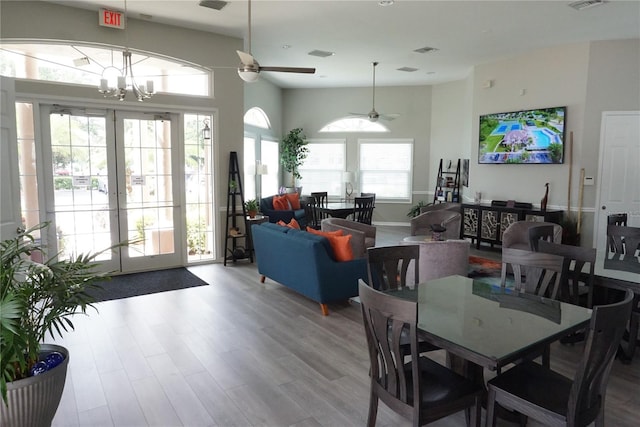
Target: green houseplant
x,y
252,207
293,152
37,299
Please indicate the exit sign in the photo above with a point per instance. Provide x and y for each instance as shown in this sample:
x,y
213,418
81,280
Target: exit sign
x,y
111,18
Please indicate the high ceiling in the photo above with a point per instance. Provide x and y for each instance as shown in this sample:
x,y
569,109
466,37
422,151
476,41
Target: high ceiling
x,y
465,33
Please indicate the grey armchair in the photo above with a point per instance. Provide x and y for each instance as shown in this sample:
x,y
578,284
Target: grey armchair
x,y
450,206
363,235
517,234
449,219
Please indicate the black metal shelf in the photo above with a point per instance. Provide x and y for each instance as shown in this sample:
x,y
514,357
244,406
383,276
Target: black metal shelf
x,y
444,192
231,245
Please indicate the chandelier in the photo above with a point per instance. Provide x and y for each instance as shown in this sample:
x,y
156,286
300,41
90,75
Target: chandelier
x,y
125,79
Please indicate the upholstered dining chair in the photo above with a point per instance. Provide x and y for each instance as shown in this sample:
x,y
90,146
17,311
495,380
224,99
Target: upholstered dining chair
x,y
363,209
420,390
553,399
449,219
516,235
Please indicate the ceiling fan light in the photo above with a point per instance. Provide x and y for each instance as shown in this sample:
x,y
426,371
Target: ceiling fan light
x,y
248,76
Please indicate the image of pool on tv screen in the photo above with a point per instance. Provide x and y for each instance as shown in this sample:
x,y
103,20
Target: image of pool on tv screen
x,y
527,137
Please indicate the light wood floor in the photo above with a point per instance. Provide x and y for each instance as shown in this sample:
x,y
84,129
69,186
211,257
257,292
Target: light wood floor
x,y
242,353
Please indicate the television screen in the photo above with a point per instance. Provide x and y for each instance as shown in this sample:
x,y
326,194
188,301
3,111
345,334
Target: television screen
x,y
528,136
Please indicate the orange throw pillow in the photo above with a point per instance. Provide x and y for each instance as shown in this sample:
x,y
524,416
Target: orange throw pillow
x,y
292,224
281,203
325,233
294,200
341,245
281,223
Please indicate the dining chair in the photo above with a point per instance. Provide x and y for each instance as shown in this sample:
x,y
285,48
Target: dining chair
x,y
320,199
363,209
420,390
553,399
541,232
623,240
370,195
387,268
308,204
615,219
575,282
534,272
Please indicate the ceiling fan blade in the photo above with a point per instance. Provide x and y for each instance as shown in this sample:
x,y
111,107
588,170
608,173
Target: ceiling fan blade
x,y
359,114
289,69
389,117
246,58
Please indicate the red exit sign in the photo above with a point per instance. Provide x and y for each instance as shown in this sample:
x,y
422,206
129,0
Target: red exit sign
x,y
111,18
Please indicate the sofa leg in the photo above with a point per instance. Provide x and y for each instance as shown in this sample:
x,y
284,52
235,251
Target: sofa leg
x,y
262,279
325,309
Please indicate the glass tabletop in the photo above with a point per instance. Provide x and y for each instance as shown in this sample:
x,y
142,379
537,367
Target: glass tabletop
x,y
486,324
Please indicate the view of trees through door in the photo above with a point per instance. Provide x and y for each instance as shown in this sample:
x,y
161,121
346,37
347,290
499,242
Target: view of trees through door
x,y
102,184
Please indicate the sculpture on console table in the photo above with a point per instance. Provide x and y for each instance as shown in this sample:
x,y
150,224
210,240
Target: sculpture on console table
x,y
543,202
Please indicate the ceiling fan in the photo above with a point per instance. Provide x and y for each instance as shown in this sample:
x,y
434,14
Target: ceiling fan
x,y
250,69
373,115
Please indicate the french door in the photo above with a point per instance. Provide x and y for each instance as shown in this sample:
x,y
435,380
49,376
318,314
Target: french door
x,y
112,177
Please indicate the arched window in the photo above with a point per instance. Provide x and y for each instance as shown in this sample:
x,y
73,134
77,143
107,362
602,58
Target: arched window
x,y
256,117
354,124
86,64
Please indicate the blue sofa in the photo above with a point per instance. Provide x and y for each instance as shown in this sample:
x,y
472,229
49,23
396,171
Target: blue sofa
x,y
266,208
304,262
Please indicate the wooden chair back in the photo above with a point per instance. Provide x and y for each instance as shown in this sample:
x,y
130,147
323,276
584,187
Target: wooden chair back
x,y
388,265
607,326
320,199
369,195
308,203
542,232
363,210
534,272
623,240
576,258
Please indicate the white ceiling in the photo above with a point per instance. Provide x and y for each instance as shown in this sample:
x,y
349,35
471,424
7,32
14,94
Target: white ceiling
x,y
466,33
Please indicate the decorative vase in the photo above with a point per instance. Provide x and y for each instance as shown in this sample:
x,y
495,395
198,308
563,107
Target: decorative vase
x,y
33,401
252,214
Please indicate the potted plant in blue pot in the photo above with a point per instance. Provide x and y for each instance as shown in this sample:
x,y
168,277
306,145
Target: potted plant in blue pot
x,y
37,300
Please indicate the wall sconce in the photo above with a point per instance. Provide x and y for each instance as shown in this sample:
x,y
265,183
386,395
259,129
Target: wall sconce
x,y
206,132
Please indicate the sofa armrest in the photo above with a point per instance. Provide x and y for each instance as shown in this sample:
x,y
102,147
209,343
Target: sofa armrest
x,y
275,215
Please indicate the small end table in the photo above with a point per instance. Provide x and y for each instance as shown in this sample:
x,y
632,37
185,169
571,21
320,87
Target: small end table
x,y
258,219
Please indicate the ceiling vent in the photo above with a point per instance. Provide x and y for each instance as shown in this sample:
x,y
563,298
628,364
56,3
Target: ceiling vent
x,y
585,4
213,4
425,49
407,69
321,53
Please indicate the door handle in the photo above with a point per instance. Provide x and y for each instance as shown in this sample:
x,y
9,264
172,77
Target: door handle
x,y
604,208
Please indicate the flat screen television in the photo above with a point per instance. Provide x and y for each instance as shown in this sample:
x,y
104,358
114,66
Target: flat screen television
x,y
523,137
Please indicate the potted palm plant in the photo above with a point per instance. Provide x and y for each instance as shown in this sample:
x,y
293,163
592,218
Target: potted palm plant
x,y
37,299
293,152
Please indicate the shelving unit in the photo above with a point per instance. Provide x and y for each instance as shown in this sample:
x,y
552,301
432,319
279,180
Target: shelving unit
x,y
447,185
233,250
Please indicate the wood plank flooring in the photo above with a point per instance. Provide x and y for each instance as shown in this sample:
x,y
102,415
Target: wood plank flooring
x,y
242,353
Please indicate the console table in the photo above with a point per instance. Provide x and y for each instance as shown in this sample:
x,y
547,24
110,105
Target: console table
x,y
486,223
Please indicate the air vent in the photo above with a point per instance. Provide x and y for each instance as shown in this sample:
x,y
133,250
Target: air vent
x,y
425,49
213,4
407,69
585,4
321,53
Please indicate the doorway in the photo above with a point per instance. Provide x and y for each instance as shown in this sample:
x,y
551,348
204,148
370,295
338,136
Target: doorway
x,y
619,171
112,176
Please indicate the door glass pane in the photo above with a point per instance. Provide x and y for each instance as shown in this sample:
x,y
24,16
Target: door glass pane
x,y
79,165
148,187
198,162
270,158
249,184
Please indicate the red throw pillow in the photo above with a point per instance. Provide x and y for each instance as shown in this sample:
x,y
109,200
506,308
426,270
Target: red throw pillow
x,y
281,203
325,233
294,200
341,245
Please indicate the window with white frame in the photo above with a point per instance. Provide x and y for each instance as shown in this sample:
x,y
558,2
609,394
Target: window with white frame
x,y
354,124
261,158
322,169
386,168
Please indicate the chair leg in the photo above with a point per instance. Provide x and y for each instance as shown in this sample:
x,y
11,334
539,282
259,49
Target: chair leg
x,y
491,406
633,334
546,356
373,409
262,279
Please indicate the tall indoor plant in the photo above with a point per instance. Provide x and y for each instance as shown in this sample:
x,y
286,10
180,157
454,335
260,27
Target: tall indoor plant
x,y
293,152
37,299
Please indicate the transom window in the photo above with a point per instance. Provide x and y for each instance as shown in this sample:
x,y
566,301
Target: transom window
x,y
256,117
386,168
354,124
87,64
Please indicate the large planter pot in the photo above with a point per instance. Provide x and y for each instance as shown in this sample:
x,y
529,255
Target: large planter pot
x,y
33,401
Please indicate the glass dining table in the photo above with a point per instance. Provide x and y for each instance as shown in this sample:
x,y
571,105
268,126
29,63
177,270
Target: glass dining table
x,y
487,325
